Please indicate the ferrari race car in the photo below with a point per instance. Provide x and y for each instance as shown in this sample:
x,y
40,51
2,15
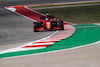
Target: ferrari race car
x,y
48,23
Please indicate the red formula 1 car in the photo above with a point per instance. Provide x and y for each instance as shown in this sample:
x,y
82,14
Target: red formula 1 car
x,y
48,23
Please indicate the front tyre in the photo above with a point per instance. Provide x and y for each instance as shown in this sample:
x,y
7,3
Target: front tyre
x,y
35,26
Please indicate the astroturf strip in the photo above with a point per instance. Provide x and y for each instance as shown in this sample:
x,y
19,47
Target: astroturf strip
x,y
81,37
79,15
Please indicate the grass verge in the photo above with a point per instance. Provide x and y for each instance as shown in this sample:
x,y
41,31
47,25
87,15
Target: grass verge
x,y
78,15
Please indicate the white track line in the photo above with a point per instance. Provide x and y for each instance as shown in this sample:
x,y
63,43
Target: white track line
x,y
56,50
19,48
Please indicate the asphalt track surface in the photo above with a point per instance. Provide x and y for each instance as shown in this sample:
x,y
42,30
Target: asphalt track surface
x,y
16,30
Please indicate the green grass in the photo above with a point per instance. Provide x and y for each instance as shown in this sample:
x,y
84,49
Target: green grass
x,y
83,36
78,15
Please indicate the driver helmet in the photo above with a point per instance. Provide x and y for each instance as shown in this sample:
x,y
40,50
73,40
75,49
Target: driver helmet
x,y
47,13
46,19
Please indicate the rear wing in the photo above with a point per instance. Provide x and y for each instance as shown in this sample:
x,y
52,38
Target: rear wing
x,y
43,17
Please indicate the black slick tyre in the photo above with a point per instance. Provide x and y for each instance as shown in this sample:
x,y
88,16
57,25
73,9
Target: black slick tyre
x,y
61,24
35,26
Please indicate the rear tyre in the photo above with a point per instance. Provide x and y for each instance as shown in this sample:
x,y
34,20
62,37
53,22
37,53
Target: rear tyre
x,y
51,25
35,26
45,27
61,24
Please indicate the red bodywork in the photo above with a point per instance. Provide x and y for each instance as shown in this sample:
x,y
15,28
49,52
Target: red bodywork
x,y
47,24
